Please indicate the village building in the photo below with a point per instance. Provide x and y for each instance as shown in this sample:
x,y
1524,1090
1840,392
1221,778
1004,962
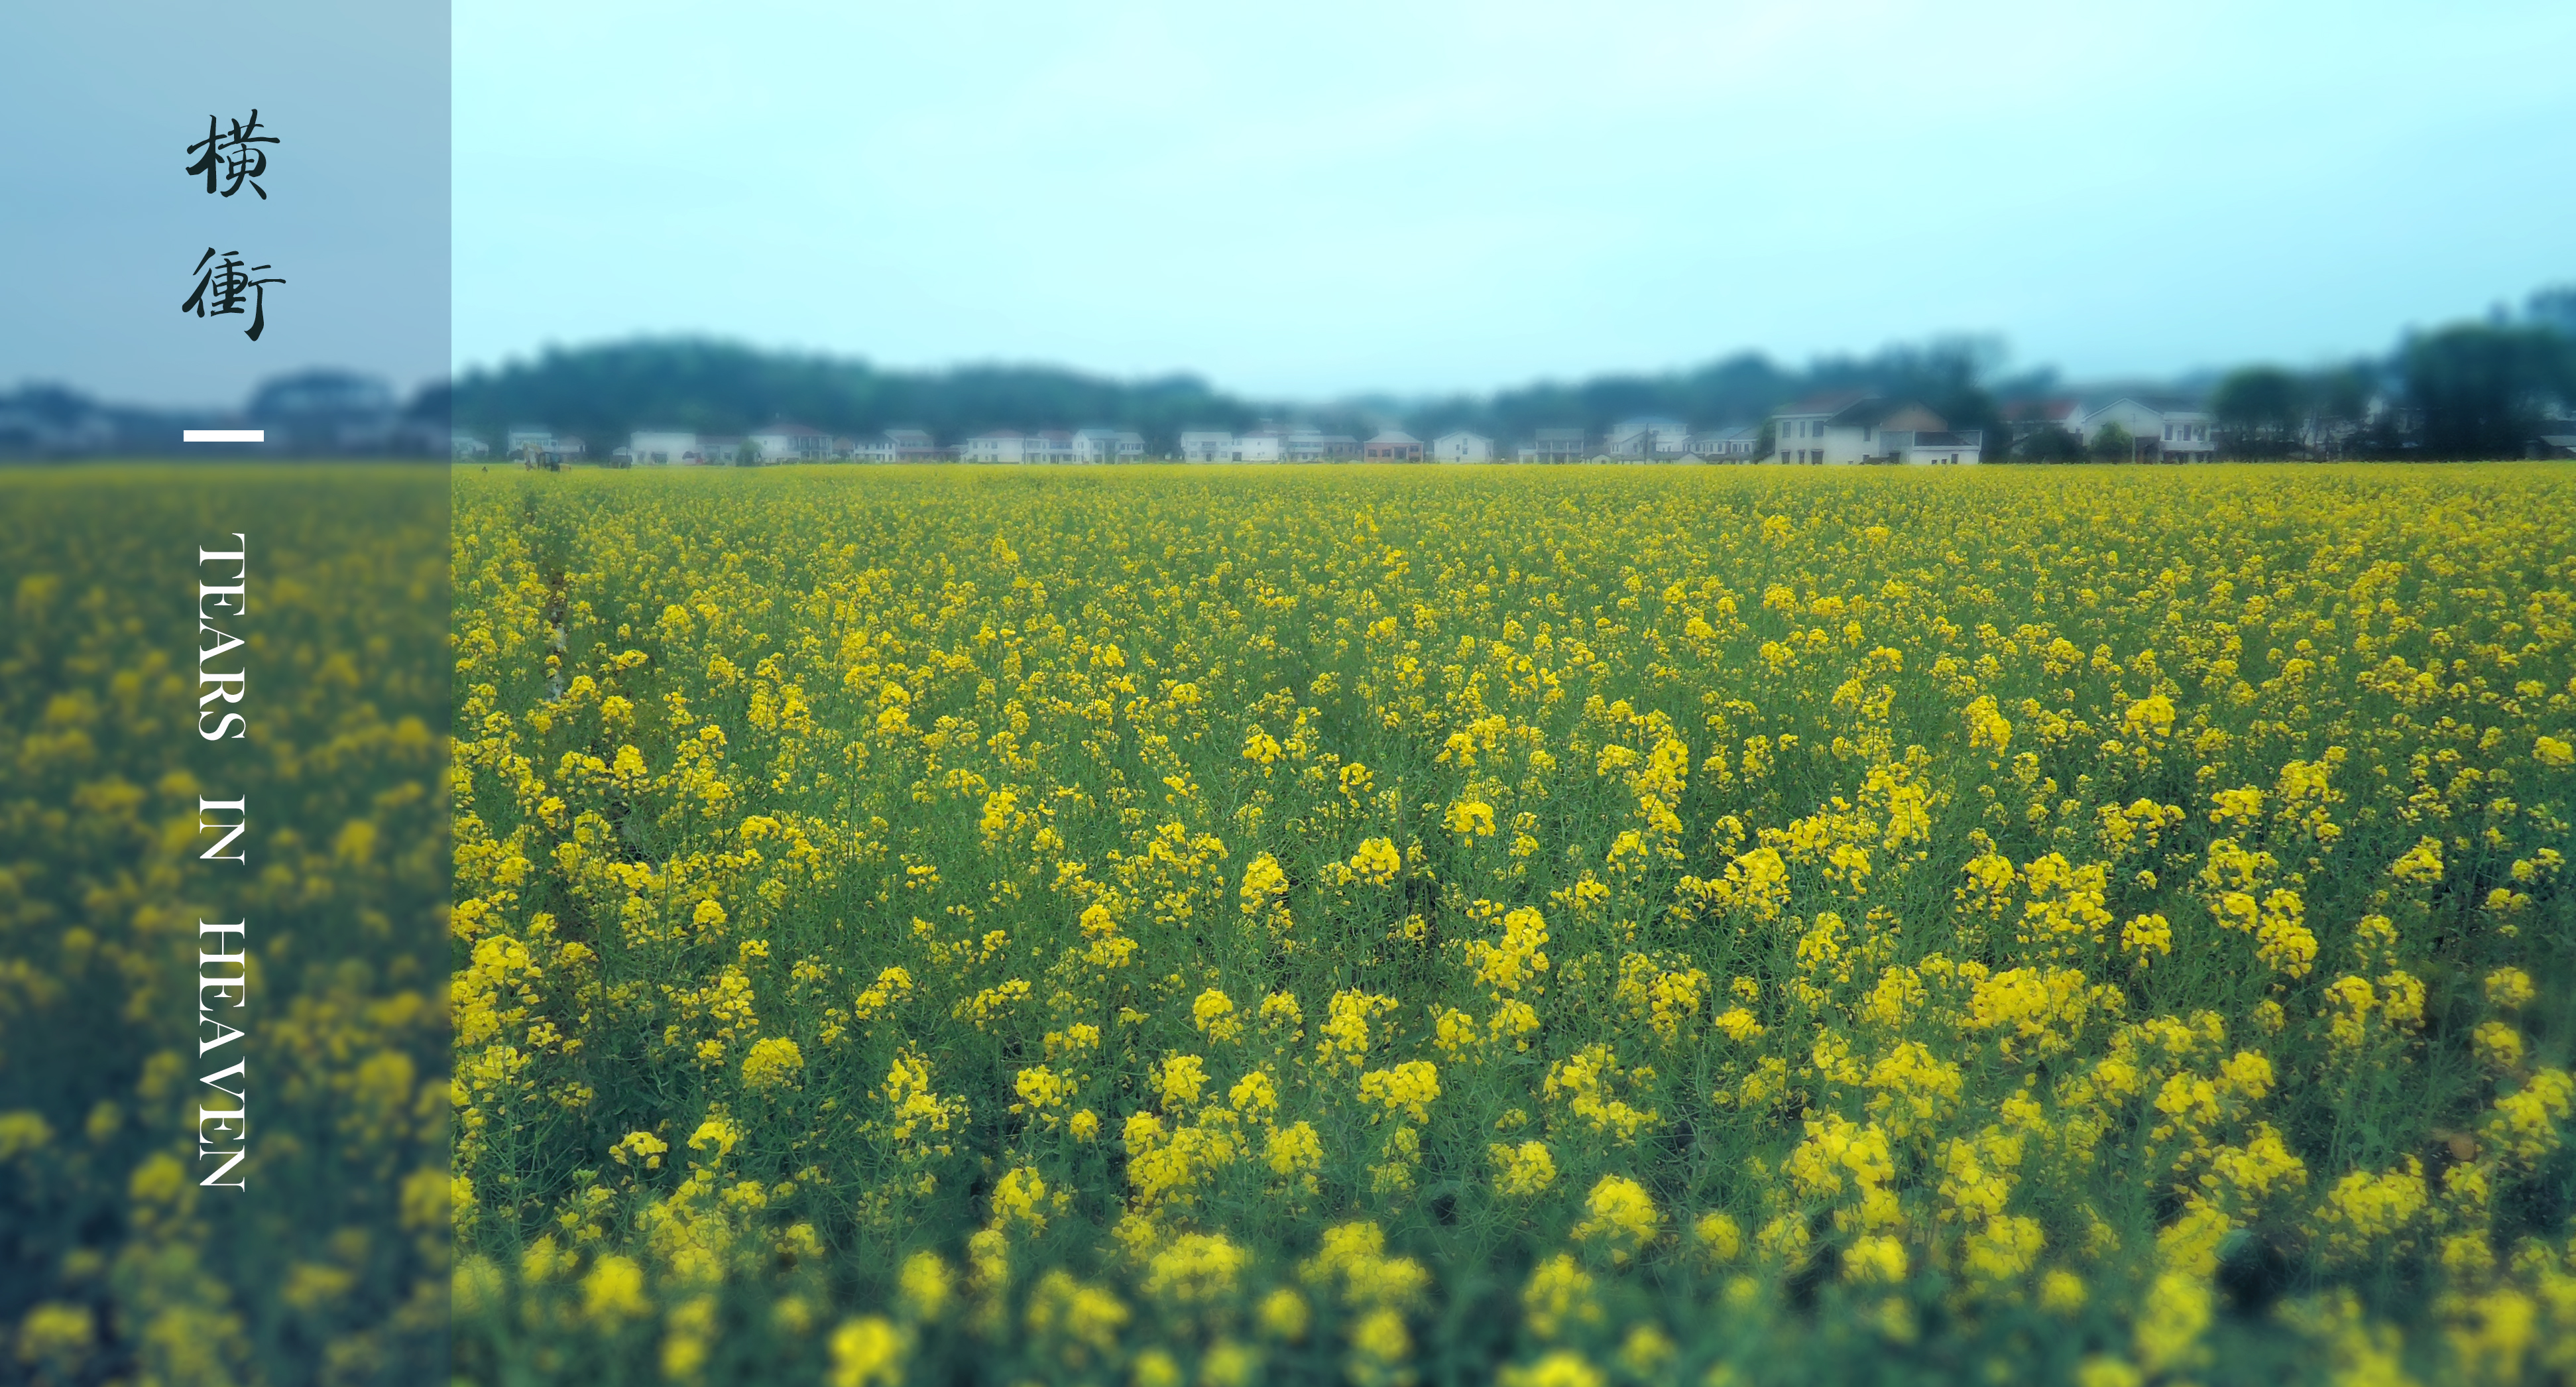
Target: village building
x,y
1459,445
1108,445
1001,445
1844,429
1727,445
1798,431
1651,438
1553,445
1393,445
784,441
2159,431
662,447
1311,445
898,445
535,443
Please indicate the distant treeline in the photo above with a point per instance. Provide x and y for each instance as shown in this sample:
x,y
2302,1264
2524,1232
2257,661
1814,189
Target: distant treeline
x,y
2478,389
2474,389
604,392
2469,390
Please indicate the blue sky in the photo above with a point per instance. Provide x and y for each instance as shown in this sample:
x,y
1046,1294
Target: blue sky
x,y
1328,197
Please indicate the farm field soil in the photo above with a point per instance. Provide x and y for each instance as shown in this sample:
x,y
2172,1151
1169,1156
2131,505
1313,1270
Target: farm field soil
x,y
1563,926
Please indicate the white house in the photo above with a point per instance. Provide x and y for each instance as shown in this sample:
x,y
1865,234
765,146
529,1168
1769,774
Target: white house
x,y
1001,445
545,445
1727,445
1650,437
1458,445
1108,445
897,445
1260,445
2187,436
1206,445
466,445
1313,445
1855,428
2166,433
789,442
1798,430
1933,447
1553,445
662,447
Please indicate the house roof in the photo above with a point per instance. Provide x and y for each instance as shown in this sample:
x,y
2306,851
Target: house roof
x,y
1393,436
784,429
1828,402
2056,411
996,434
1557,435
1874,411
2157,404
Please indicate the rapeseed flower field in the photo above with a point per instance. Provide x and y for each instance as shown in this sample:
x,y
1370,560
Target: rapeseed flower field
x,y
1560,927
329,1264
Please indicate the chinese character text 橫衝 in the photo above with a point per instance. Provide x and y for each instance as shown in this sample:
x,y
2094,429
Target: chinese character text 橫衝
x,y
221,287
233,156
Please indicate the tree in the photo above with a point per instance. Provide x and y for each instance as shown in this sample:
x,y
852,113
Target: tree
x,y
2114,444
2554,308
2482,388
2339,407
2050,442
2260,411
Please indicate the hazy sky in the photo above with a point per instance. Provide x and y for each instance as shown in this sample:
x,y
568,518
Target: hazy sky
x,y
1327,197
101,226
